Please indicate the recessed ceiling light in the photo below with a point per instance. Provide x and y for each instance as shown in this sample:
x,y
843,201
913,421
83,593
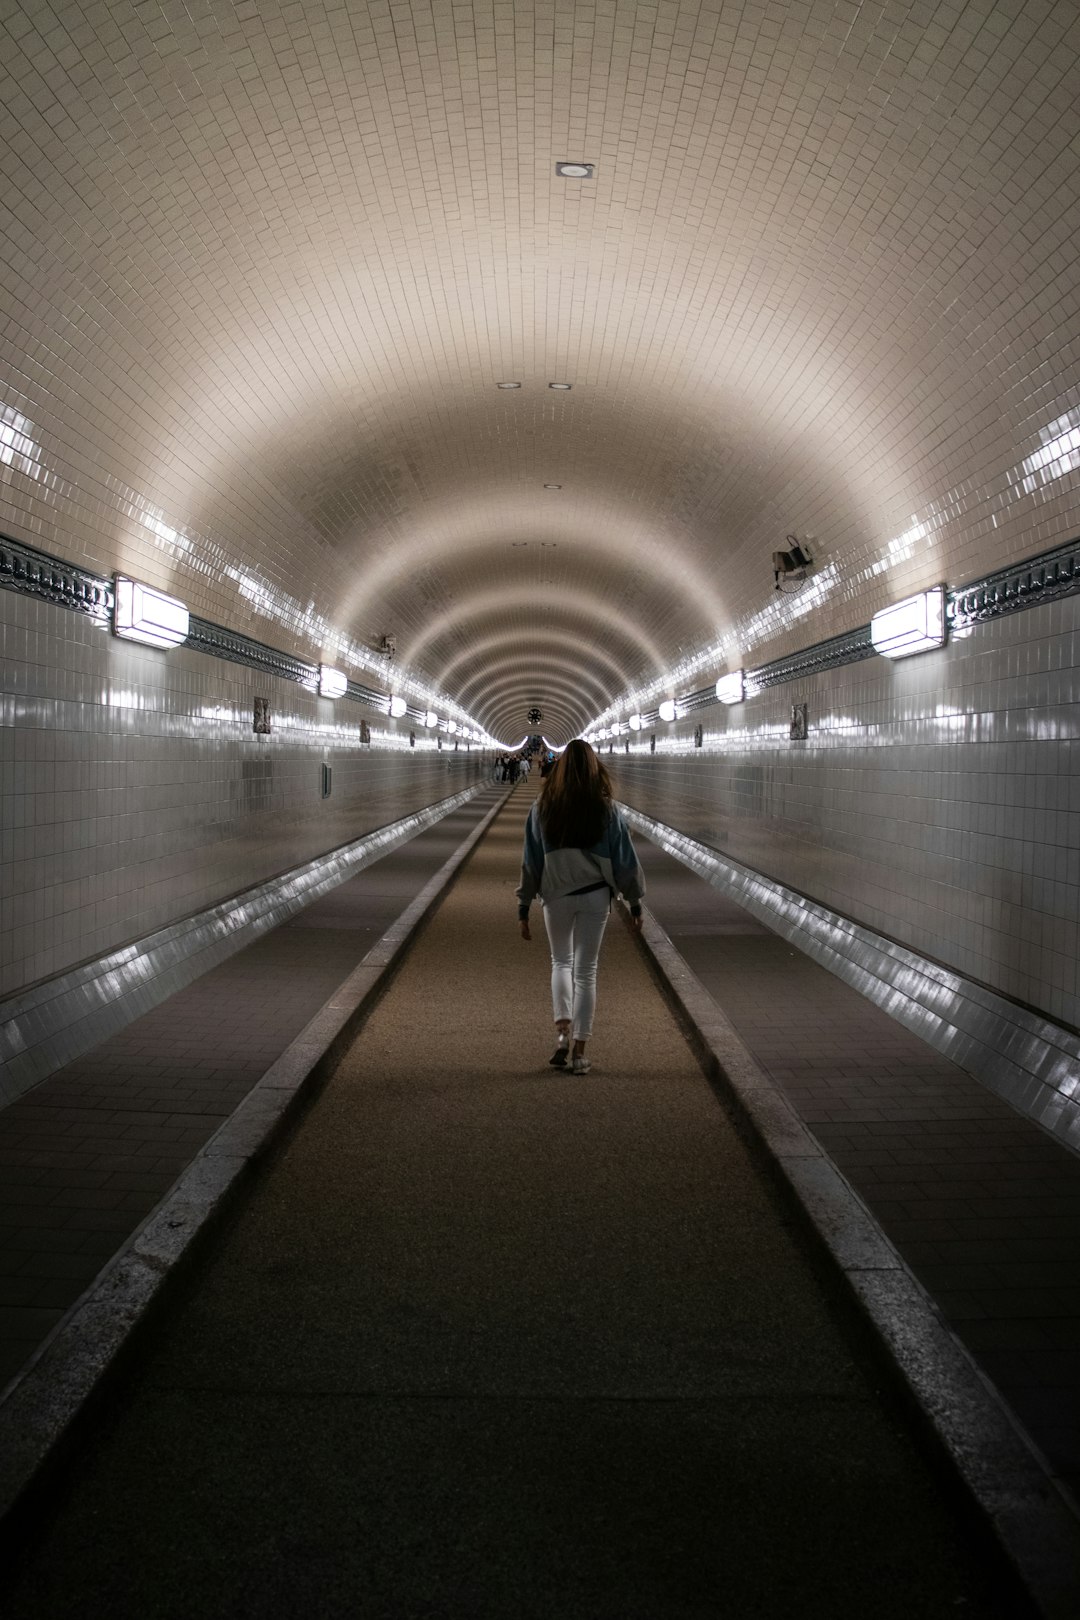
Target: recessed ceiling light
x,y
562,388
553,486
508,385
575,171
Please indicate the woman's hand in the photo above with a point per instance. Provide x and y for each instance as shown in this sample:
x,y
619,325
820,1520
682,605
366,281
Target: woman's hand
x,y
636,922
525,929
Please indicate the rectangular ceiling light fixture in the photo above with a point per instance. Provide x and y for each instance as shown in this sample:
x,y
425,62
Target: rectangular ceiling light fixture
x,y
333,683
915,625
141,613
732,688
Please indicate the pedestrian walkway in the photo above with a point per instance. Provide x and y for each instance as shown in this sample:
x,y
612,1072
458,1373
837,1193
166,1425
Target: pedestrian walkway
x,y
487,1340
982,1204
87,1154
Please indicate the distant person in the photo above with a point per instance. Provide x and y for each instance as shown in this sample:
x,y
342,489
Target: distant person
x,y
512,770
526,766
578,853
547,767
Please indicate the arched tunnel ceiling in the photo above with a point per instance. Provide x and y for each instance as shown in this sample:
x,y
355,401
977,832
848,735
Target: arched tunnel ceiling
x,y
265,266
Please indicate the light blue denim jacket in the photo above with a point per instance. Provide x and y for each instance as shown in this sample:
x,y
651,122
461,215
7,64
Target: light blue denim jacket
x,y
550,872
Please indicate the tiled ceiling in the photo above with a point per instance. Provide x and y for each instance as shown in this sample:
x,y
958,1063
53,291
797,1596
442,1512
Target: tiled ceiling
x,y
264,265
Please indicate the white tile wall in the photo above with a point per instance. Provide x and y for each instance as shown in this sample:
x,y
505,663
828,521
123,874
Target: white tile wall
x,y
261,265
133,790
936,799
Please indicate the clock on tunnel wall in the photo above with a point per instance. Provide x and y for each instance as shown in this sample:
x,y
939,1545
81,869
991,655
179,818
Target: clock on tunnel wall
x,y
534,717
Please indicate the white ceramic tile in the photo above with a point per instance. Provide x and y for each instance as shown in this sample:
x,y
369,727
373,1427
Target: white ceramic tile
x,y
189,805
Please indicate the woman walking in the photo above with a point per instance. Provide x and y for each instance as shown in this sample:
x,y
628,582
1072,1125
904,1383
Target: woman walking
x,y
578,854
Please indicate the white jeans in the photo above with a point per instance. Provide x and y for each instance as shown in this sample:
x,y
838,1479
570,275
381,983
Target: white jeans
x,y
575,926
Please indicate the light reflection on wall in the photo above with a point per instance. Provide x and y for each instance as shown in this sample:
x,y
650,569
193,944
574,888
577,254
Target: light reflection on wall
x,y
18,447
285,610
1057,456
20,451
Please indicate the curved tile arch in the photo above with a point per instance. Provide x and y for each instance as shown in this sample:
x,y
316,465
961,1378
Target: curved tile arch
x,y
499,601
556,692
538,676
562,708
555,651
484,647
598,512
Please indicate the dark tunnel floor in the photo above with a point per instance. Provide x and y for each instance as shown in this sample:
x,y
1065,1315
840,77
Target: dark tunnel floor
x,y
86,1155
983,1205
485,1341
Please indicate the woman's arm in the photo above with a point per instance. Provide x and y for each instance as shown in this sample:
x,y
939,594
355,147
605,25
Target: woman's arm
x,y
532,869
626,866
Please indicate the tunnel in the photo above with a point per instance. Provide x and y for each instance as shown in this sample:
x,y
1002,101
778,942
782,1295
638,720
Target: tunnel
x,y
393,394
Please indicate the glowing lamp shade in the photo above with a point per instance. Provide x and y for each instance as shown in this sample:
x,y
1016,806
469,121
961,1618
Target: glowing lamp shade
x,y
635,722
333,683
914,625
451,726
398,707
143,614
431,718
667,709
732,688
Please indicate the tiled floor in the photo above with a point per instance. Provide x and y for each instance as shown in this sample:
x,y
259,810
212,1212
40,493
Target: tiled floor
x,y
87,1154
981,1203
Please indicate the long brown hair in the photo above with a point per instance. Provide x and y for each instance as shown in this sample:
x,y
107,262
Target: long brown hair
x,y
575,801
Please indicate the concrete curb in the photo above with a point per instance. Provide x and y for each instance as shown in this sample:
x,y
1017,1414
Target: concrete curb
x,y
42,1407
1029,1511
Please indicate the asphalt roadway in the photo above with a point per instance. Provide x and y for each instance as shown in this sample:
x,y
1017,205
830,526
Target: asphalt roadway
x,y
488,1341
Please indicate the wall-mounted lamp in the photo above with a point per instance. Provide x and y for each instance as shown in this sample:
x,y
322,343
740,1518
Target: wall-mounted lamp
x,y
141,613
791,564
667,709
914,625
732,688
333,683
397,707
431,719
634,722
